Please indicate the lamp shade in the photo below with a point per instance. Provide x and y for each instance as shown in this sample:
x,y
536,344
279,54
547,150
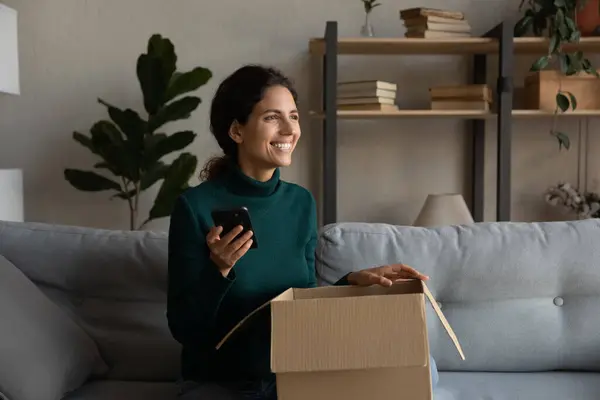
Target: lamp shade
x,y
9,51
444,209
11,195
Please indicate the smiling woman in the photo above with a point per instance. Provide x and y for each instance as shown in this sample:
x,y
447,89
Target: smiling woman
x,y
255,121
216,278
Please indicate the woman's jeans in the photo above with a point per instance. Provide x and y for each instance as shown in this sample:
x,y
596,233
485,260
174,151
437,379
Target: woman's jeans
x,y
253,390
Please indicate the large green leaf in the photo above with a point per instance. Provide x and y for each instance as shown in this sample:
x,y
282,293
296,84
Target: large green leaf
x,y
179,109
105,165
159,145
182,83
89,181
175,182
129,121
154,71
163,49
85,141
152,82
572,100
155,173
111,146
562,102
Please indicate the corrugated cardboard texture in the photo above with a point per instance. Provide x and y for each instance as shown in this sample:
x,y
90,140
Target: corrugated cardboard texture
x,y
348,333
410,383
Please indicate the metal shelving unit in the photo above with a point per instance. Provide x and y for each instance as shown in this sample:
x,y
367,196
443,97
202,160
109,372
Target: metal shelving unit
x,y
498,41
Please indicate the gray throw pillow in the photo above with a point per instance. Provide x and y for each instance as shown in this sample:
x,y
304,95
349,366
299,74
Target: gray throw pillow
x,y
43,352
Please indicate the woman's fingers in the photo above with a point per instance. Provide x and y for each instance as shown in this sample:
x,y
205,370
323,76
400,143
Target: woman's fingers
x,y
414,272
241,251
213,235
237,244
225,240
218,244
404,271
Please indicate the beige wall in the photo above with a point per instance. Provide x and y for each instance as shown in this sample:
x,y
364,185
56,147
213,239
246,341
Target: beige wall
x,y
73,51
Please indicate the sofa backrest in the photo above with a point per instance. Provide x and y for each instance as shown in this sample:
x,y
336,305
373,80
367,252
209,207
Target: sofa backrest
x,y
520,296
113,283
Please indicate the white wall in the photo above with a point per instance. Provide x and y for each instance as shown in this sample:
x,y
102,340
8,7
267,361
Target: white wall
x,y
74,51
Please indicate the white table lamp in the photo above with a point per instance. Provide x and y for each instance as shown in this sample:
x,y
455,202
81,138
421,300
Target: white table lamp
x,y
11,195
9,51
444,209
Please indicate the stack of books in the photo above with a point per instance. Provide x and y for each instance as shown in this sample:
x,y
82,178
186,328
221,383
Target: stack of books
x,y
370,95
429,23
461,97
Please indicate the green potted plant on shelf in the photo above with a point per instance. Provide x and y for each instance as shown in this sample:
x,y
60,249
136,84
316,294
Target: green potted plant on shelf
x,y
556,20
132,148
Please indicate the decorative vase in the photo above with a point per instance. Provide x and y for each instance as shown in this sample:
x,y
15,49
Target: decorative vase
x,y
367,29
588,19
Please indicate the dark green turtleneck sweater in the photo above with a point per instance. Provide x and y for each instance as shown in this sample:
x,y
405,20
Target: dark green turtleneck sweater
x,y
203,305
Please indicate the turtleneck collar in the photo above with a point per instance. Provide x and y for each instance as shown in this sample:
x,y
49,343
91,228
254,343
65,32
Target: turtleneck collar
x,y
241,184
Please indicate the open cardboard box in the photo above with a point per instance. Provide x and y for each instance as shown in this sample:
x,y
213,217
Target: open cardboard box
x,y
350,342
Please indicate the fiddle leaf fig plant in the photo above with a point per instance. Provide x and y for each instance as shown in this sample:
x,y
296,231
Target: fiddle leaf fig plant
x,y
556,19
132,147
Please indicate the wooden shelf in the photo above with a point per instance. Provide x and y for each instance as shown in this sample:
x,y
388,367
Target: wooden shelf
x,y
546,114
408,114
500,43
533,45
465,114
386,46
474,45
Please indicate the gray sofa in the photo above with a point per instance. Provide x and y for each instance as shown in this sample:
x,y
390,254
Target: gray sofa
x,y
83,311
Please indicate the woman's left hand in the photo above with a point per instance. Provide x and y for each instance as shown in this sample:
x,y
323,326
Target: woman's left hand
x,y
384,275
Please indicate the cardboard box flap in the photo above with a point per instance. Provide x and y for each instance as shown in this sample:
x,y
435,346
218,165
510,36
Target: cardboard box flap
x,y
317,330
288,295
444,321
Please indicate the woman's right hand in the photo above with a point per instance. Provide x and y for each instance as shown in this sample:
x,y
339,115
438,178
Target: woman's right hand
x,y
224,251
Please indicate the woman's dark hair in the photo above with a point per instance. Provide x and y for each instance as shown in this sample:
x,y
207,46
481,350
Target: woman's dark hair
x,y
234,101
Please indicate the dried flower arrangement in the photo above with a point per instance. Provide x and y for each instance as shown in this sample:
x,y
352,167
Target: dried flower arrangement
x,y
585,205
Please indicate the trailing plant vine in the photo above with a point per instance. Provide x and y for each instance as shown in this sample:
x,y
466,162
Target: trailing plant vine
x,y
556,19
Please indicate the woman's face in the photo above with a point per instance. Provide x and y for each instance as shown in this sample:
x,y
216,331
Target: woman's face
x,y
269,138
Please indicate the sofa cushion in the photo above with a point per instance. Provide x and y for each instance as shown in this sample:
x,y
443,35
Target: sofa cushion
x,y
43,353
520,296
113,284
517,386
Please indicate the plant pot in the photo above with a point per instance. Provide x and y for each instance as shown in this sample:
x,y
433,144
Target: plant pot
x,y
588,19
541,87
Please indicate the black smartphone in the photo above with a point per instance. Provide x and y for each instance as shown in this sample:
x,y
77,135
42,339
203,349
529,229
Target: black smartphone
x,y
231,218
